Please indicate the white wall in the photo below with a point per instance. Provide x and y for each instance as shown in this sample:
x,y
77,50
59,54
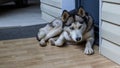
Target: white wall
x,y
110,30
68,5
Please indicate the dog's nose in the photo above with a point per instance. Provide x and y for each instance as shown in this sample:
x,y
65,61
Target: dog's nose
x,y
78,38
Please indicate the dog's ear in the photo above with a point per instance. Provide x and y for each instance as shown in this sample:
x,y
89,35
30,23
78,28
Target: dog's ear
x,y
65,15
81,12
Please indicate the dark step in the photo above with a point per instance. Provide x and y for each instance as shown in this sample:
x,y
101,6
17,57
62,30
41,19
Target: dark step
x,y
19,32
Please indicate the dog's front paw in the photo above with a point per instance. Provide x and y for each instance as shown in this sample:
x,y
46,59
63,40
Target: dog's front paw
x,y
43,43
51,41
88,51
58,44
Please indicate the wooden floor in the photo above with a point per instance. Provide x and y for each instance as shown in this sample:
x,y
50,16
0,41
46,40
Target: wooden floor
x,y
26,53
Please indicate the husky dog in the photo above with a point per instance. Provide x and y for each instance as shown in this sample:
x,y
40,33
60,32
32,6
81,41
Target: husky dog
x,y
50,30
78,27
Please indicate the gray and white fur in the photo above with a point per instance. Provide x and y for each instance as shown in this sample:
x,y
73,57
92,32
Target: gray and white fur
x,y
78,27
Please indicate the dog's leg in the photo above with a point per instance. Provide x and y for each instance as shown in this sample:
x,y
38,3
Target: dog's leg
x,y
53,32
40,35
88,47
60,41
51,40
43,31
43,43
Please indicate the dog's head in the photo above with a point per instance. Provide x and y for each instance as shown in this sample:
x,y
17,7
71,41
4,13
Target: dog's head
x,y
75,24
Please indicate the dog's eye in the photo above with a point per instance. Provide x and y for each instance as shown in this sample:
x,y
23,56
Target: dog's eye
x,y
81,22
79,27
71,28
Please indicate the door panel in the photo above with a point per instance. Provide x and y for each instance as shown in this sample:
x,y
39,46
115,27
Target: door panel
x,y
92,7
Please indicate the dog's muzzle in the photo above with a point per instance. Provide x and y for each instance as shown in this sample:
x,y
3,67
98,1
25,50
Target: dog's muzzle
x,y
78,39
